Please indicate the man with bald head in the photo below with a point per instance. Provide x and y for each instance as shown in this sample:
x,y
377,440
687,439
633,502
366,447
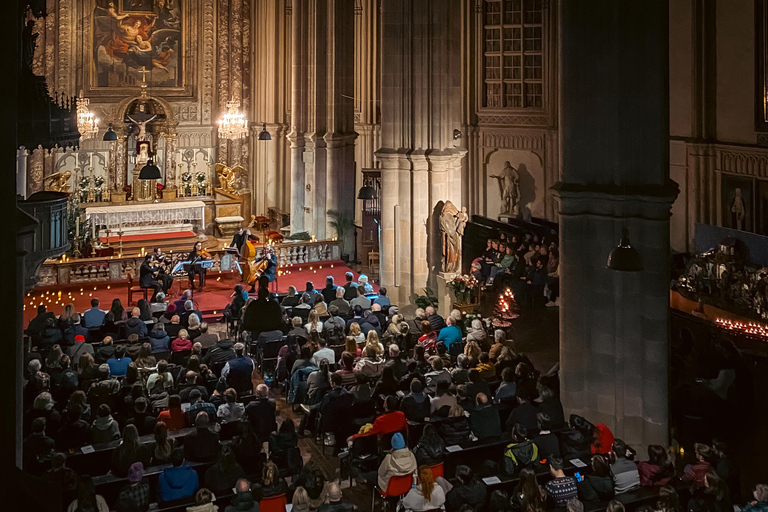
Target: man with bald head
x,y
335,501
261,413
244,500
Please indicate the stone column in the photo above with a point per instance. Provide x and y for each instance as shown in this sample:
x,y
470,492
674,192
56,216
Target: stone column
x,y
171,149
299,73
615,174
420,108
223,74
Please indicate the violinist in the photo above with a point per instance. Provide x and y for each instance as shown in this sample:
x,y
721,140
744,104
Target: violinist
x,y
147,274
161,263
197,255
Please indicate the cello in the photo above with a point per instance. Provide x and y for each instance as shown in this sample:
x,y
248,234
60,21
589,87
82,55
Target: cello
x,y
256,269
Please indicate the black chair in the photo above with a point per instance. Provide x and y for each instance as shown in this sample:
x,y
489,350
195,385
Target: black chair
x,y
181,357
363,455
268,355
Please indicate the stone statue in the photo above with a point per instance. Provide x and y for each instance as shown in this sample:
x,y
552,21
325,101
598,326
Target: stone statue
x,y
29,40
509,189
452,223
228,177
58,182
738,210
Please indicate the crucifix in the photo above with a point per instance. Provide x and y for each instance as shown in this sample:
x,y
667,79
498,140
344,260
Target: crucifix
x,y
144,74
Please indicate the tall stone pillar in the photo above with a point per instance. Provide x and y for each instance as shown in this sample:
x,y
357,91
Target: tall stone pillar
x,y
615,174
420,108
299,79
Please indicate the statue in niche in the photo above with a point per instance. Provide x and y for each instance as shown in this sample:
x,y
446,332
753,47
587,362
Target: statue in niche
x,y
452,224
738,210
58,182
509,189
142,125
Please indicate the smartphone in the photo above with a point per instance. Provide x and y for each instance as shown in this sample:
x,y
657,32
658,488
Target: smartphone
x,y
578,476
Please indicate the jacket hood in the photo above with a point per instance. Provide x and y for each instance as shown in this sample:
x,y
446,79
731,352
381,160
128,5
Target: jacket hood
x,y
403,461
177,477
103,423
208,507
158,335
225,344
243,501
134,321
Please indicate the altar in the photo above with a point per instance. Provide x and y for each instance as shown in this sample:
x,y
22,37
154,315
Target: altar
x,y
147,218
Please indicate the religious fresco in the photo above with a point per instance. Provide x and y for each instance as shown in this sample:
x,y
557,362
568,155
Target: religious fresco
x,y
130,36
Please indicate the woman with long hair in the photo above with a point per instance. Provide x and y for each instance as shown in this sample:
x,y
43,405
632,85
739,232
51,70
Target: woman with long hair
x,y
128,452
117,310
347,369
425,495
428,338
388,384
271,482
669,500
87,499
713,497
599,484
455,428
163,446
67,317
356,333
145,358
313,323
372,341
145,312
528,496
224,474
350,344
193,326
300,502
53,361
78,398
292,299
658,469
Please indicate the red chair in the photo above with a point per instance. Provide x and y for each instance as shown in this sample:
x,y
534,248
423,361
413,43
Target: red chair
x,y
135,289
396,487
437,470
273,504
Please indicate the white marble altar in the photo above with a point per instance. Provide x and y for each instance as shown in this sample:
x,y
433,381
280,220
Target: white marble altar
x,y
134,219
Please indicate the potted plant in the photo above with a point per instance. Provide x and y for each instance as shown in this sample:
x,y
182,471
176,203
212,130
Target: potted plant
x,y
344,224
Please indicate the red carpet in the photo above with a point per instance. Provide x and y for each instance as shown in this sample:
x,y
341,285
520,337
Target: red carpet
x,y
149,236
210,302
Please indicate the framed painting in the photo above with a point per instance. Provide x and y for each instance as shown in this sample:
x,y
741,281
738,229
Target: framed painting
x,y
738,202
137,40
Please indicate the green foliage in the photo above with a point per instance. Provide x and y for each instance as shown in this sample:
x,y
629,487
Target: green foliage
x,y
428,299
344,224
301,235
75,215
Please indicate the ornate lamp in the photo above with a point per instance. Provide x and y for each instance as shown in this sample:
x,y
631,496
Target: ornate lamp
x,y
87,124
624,258
233,125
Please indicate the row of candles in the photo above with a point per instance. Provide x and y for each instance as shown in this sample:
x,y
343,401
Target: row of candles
x,y
750,328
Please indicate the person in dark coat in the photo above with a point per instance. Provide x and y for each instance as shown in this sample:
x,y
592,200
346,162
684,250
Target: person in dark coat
x,y
50,335
576,442
129,452
246,499
416,405
484,418
134,325
202,445
329,292
222,476
284,448
524,414
548,444
221,353
551,406
261,413
597,486
455,428
37,324
521,452
147,274
262,315
430,450
36,444
467,491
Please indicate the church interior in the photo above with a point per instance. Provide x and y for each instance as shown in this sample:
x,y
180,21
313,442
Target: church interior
x,y
492,255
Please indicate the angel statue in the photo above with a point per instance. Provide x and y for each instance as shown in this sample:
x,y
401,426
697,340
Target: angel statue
x,y
228,177
58,182
452,223
509,188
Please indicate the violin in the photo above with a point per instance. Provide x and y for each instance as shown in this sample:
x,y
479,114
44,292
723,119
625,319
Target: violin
x,y
204,254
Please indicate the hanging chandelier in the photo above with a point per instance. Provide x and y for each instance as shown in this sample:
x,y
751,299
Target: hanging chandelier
x,y
87,124
233,125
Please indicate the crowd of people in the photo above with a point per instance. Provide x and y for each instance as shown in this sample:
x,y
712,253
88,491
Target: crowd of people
x,y
358,368
527,263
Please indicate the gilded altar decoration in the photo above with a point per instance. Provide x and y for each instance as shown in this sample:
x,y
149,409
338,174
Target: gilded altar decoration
x,y
228,177
58,182
132,35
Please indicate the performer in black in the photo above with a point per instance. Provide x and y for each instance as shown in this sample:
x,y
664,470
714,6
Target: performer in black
x,y
239,240
147,277
197,255
161,262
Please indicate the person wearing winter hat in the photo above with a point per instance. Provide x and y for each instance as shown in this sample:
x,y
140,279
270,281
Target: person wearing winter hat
x,y
135,495
399,462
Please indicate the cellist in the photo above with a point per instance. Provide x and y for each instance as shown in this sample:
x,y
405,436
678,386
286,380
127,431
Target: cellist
x,y
249,254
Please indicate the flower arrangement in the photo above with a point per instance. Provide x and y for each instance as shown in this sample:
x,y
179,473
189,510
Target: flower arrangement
x,y
98,183
160,188
464,287
202,181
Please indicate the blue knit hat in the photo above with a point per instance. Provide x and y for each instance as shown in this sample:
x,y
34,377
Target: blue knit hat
x,y
398,442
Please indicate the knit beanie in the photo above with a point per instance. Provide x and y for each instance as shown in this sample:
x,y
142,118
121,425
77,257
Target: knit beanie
x,y
398,443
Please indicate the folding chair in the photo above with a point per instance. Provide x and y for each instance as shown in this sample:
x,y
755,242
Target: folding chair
x,y
273,504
